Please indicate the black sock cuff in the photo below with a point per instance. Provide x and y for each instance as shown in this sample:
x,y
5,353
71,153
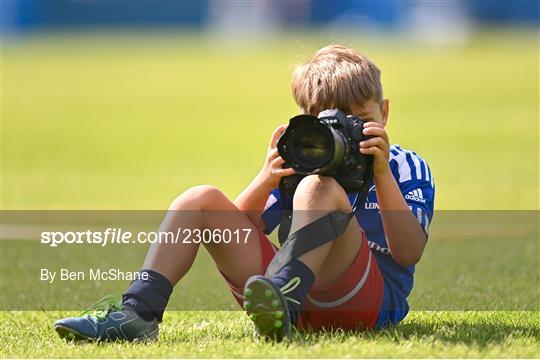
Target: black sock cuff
x,y
158,279
295,268
307,275
149,295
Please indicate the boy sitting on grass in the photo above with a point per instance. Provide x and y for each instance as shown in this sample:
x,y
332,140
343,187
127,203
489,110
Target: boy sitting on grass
x,y
360,280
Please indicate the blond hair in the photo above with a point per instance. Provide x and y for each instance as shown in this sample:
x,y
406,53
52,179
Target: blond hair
x,y
336,77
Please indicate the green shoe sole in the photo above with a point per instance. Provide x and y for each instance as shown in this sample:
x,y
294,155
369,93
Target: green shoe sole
x,y
70,334
267,308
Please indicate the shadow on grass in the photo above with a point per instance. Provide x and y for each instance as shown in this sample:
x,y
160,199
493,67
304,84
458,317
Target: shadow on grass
x,y
460,330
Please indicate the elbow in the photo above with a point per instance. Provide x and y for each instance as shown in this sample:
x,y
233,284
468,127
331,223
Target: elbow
x,y
409,256
407,260
410,253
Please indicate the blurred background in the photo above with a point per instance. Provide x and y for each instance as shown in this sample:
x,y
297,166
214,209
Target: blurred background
x,y
123,105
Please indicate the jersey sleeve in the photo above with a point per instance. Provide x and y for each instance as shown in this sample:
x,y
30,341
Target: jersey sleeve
x,y
419,196
416,184
272,212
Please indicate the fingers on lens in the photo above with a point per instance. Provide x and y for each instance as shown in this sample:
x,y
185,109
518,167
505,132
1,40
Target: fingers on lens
x,y
277,161
284,172
371,124
378,141
370,150
276,134
377,131
273,153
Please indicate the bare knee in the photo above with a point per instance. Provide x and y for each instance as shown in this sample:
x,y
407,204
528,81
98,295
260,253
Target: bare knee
x,y
320,192
197,198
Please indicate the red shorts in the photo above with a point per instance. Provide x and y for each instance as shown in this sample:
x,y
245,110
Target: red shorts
x,y
353,302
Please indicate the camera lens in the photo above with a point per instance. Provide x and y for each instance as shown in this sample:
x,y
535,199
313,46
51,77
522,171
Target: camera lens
x,y
312,146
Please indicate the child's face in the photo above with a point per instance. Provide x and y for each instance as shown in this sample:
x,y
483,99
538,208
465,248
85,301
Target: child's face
x,y
373,111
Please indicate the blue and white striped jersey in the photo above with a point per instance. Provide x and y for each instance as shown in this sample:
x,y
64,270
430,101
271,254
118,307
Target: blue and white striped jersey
x,y
416,183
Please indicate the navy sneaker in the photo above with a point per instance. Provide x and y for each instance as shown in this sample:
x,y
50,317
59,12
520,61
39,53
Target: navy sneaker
x,y
266,305
107,320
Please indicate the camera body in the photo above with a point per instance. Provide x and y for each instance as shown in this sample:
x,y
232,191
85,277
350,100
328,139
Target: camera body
x,y
327,145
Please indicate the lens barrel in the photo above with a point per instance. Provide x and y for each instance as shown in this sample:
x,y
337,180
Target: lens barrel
x,y
312,146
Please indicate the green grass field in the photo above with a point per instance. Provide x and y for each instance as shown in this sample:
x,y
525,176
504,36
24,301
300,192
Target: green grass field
x,y
128,122
228,334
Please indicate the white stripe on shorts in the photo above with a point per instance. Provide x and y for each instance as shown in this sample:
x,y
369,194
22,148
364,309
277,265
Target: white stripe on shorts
x,y
236,293
350,295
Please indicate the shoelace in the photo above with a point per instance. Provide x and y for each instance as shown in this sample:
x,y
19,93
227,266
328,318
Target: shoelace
x,y
102,308
290,286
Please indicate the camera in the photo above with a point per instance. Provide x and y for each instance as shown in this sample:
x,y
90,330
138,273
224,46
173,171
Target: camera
x,y
326,145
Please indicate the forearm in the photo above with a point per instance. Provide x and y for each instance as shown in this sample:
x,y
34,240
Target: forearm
x,y
404,234
253,198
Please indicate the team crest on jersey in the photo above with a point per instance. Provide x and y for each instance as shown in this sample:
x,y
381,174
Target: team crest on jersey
x,y
371,205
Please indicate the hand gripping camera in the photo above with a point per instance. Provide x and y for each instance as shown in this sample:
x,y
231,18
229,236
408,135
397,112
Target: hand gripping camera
x,y
326,145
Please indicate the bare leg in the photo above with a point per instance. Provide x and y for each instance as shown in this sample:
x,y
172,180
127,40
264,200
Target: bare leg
x,y
206,207
321,195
